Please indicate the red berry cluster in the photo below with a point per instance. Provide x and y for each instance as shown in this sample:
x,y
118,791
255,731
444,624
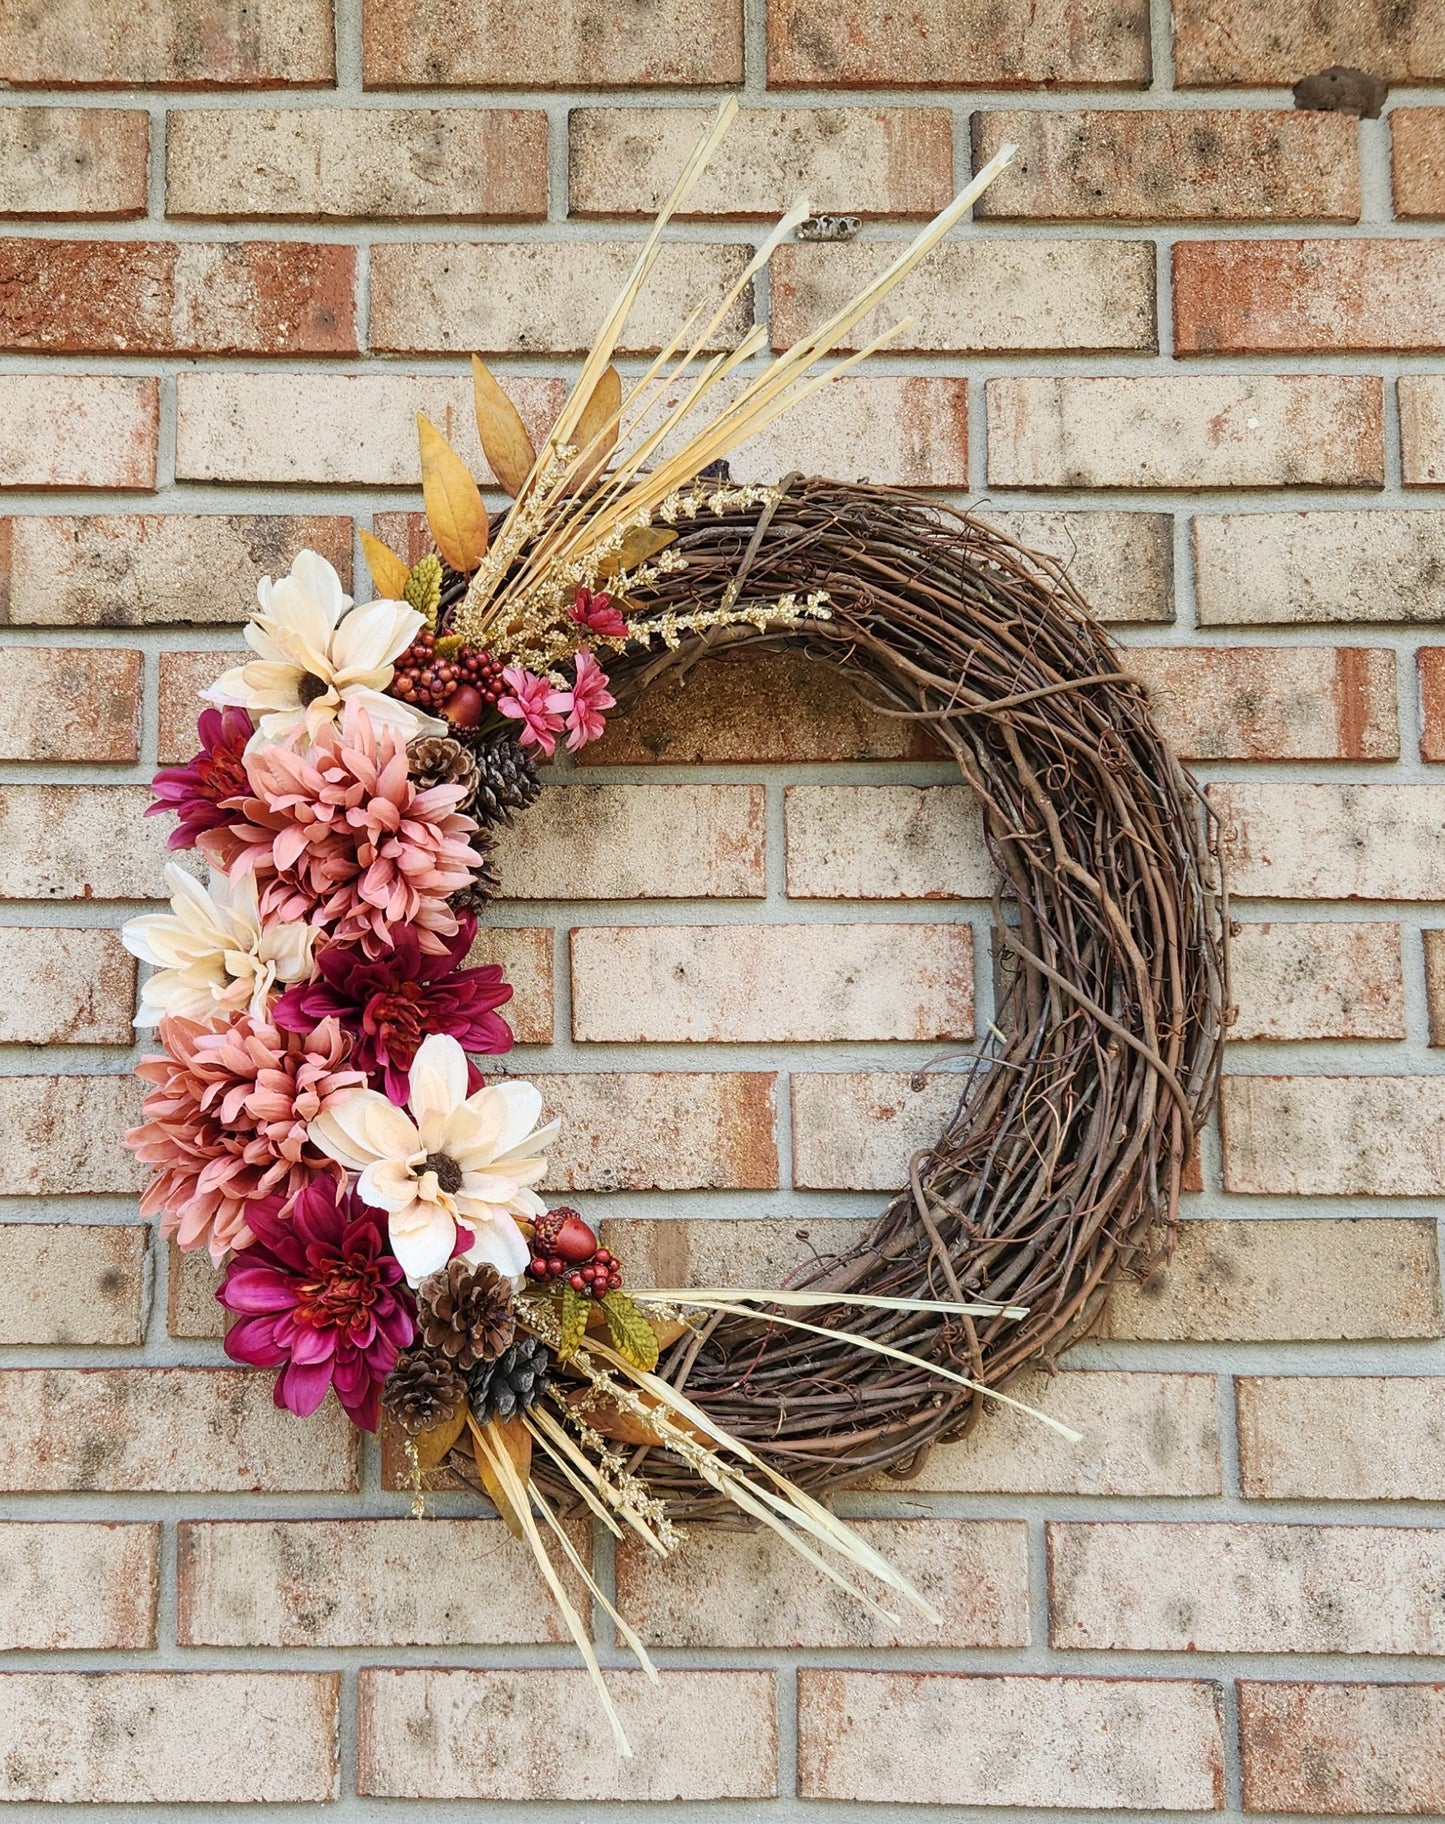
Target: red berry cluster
x,y
567,1253
462,688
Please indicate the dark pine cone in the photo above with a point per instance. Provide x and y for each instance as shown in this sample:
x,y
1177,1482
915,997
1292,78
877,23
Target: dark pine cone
x,y
422,1390
465,1313
516,1380
508,779
484,885
438,760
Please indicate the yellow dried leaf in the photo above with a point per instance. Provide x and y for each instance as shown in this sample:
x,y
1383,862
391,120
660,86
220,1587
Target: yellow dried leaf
x,y
596,435
454,507
388,571
504,437
632,1334
667,1330
431,1446
603,1414
576,1311
640,544
512,1436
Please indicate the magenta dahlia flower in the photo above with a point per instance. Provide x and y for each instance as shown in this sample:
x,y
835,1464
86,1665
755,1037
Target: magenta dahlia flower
x,y
198,791
322,1298
390,1003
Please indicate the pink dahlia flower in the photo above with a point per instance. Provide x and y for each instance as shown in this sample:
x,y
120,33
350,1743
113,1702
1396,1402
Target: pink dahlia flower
x,y
584,703
597,615
198,791
530,703
341,838
390,1004
226,1123
322,1298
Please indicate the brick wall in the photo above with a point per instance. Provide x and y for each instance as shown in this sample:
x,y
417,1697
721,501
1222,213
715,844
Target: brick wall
x,y
1193,347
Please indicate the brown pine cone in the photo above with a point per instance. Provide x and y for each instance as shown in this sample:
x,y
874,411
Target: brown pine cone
x,y
422,1390
438,760
465,1313
484,885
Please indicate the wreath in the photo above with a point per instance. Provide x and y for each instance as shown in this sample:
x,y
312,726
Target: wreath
x,y
317,1118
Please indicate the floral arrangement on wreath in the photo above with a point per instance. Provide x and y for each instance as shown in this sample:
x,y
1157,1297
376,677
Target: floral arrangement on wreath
x,y
316,1117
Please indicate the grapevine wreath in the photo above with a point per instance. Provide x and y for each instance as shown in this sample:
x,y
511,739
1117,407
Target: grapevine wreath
x,y
317,1119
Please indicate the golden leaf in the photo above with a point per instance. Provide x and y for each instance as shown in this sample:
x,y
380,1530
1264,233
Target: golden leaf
x,y
454,508
632,1335
512,1436
603,1414
504,437
639,544
596,434
388,571
667,1330
431,1446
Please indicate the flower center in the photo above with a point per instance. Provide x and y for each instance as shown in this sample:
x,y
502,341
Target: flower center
x,y
397,1018
342,1296
449,1173
310,688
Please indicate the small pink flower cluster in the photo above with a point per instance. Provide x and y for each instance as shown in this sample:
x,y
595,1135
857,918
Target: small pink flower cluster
x,y
544,709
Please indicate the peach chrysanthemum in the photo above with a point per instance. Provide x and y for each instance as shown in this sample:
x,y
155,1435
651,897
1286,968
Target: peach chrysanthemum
x,y
341,838
226,1122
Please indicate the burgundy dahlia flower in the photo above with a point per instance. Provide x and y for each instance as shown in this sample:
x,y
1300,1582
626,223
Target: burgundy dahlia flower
x,y
323,1299
391,1002
197,792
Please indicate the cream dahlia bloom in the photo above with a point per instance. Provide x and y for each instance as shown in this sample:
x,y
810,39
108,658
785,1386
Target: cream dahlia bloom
x,y
213,954
455,1159
315,658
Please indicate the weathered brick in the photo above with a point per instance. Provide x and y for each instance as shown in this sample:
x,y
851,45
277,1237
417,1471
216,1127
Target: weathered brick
x,y
1122,564
1333,1136
699,983
70,703
66,987
1168,165
1342,1437
1430,664
63,1135
66,162
1317,981
1144,1434
440,1734
334,428
472,164
169,1738
1272,702
537,297
976,296
1422,429
344,1583
78,431
637,842
1302,1278
906,432
1417,162
525,953
937,44
751,1590
183,676
1337,1750
1186,431
860,160
1251,1587
1333,841
684,1130
1434,945
1224,43
183,1430
857,1130
80,1585
886,842
79,842
85,1284
568,44
193,44
148,570
191,1305
186,297
1267,569
958,1738
1314,297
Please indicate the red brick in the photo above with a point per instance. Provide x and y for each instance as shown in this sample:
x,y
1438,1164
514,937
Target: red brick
x,y
85,1284
682,1130
425,1734
1313,297
1341,1750
474,164
1341,1437
885,842
1296,841
565,45
1224,43
904,431
1271,702
169,1738
1417,156
857,1130
193,44
66,987
1431,663
1422,429
1320,1136
80,1585
78,703
1434,943
675,984
952,1738
938,44
1169,165
184,675
68,162
184,297
1289,569
1309,980
62,1135
78,431
80,842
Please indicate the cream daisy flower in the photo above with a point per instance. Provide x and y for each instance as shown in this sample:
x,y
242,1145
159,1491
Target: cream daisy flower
x,y
317,654
213,954
455,1159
